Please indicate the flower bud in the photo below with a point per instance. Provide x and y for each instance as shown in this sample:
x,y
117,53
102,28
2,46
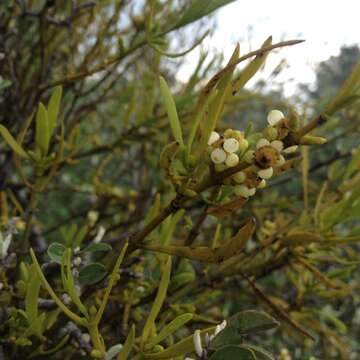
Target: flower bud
x,y
312,140
274,117
214,137
270,133
197,343
218,156
228,133
249,156
231,145
238,135
266,173
239,177
77,261
262,184
232,160
243,144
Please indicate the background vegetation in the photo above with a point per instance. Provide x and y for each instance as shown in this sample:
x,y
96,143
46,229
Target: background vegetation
x,y
84,120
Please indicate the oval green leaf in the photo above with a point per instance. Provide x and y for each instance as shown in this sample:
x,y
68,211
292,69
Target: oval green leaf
x,y
252,321
232,352
98,247
92,273
56,252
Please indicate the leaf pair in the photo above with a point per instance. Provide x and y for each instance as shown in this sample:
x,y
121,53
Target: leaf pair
x,y
45,125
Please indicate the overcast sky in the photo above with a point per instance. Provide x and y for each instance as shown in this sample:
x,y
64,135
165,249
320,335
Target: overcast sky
x,y
324,24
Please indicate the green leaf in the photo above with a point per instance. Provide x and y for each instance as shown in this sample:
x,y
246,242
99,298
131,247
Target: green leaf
x,y
170,328
125,351
98,247
4,83
199,115
233,352
170,107
56,252
42,136
222,81
249,71
52,293
12,142
252,321
53,108
159,299
197,10
228,336
260,353
32,295
92,273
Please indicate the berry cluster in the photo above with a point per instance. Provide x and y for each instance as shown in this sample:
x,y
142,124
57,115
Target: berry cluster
x,y
269,153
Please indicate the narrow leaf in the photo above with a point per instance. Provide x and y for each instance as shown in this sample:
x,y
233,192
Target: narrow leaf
x,y
12,142
170,107
197,10
32,295
250,70
125,351
170,328
159,299
42,136
69,283
53,108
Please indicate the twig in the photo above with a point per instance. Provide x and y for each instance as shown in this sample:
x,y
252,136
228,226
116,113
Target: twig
x,y
278,311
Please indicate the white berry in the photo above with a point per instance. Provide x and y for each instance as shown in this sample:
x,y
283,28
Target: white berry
x,y
218,156
274,117
290,149
281,161
278,145
231,145
232,160
266,173
214,137
244,191
262,142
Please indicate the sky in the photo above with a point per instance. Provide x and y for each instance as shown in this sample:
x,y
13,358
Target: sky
x,y
324,24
